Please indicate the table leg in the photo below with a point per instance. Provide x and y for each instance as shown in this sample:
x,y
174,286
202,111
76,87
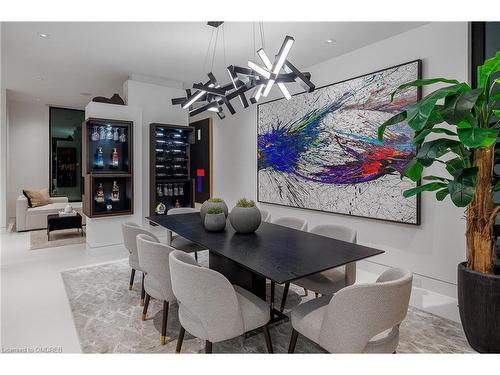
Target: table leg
x,y
272,299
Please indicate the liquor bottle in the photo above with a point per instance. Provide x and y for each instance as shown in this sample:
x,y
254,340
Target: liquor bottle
x,y
115,192
99,159
102,133
99,194
109,133
116,137
123,137
177,203
114,158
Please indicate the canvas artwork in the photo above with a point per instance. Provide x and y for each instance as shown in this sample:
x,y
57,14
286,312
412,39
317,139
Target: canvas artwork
x,y
320,150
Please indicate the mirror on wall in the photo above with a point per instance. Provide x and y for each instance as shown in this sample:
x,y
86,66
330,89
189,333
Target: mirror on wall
x,y
65,132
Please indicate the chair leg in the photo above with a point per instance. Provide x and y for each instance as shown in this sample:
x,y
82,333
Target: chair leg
x,y
208,347
180,339
196,255
163,337
267,336
316,295
305,292
293,341
143,292
131,282
283,299
145,309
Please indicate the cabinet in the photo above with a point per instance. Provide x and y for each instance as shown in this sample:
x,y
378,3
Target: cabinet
x,y
107,167
170,179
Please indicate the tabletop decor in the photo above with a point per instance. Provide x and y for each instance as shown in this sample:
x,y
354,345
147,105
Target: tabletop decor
x,y
464,129
215,219
245,217
213,202
320,150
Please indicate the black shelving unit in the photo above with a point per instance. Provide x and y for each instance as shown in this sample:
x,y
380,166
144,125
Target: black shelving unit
x,y
170,179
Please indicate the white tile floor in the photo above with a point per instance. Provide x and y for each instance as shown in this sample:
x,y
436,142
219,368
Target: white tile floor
x,y
35,311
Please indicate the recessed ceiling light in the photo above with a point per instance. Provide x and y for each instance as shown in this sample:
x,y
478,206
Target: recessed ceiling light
x,y
330,41
85,94
44,35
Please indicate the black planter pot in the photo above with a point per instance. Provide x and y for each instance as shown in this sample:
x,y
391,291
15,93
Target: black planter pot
x,y
479,305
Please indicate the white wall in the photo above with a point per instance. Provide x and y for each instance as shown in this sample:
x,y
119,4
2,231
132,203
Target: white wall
x,y
432,249
28,157
155,101
3,144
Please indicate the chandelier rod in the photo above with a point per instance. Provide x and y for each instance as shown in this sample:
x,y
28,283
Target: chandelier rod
x,y
208,52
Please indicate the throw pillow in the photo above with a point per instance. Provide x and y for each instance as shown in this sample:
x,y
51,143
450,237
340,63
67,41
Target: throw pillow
x,y
37,198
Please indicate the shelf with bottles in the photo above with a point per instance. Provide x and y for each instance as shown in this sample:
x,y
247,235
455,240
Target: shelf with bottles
x,y
110,195
108,146
172,194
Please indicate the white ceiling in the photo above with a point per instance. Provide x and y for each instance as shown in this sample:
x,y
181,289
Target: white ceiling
x,y
97,57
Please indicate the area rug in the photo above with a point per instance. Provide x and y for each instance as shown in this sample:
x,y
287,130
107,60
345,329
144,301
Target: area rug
x,y
107,319
38,238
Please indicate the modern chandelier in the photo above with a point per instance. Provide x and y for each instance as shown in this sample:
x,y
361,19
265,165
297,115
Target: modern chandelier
x,y
212,96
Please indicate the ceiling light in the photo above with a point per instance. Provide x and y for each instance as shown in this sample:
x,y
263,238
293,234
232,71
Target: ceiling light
x,y
330,41
85,94
44,35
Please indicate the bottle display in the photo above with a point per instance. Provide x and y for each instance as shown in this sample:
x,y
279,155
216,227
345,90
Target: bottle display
x,y
99,158
115,160
99,194
115,192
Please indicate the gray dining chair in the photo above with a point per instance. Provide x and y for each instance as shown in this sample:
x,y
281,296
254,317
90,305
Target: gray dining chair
x,y
266,215
294,223
331,281
154,260
362,318
130,231
179,242
291,222
212,309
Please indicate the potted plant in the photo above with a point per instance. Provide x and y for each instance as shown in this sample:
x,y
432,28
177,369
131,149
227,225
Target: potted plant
x,y
213,202
466,150
245,216
215,219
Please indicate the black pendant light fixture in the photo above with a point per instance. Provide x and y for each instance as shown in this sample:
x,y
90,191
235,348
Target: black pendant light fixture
x,y
211,96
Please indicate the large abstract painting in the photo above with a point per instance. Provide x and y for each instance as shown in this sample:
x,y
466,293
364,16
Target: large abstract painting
x,y
320,150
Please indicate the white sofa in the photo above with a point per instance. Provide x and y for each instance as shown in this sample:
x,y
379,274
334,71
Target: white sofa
x,y
36,218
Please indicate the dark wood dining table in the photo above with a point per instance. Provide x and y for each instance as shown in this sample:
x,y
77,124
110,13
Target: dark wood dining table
x,y
273,252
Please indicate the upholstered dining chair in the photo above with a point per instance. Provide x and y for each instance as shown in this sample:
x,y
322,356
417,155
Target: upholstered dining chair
x,y
154,260
212,309
265,214
179,242
130,231
362,318
330,281
294,223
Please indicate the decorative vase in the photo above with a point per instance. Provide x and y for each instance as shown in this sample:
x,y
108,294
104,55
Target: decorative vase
x,y
215,222
479,303
206,205
245,219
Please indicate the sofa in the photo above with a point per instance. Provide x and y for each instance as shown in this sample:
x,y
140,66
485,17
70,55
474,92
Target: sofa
x,y
36,217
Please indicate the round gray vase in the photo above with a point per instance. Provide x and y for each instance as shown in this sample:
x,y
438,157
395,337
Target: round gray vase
x,y
245,219
215,222
206,205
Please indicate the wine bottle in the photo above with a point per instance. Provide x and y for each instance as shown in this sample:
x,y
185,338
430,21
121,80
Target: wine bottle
x,y
99,194
115,192
99,159
114,158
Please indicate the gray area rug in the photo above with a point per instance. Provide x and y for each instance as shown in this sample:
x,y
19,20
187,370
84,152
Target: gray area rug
x,y
38,238
107,319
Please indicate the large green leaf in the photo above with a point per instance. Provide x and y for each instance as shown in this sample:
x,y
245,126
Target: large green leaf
x,y
400,117
419,113
413,170
462,188
432,150
427,187
423,82
477,137
441,194
489,67
496,112
497,186
435,178
459,105
454,166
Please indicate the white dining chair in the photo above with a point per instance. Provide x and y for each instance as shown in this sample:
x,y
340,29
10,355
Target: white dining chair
x,y
362,318
154,260
212,309
330,281
179,242
130,231
291,222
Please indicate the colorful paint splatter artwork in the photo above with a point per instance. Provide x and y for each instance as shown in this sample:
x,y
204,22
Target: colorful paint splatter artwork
x,y
320,150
